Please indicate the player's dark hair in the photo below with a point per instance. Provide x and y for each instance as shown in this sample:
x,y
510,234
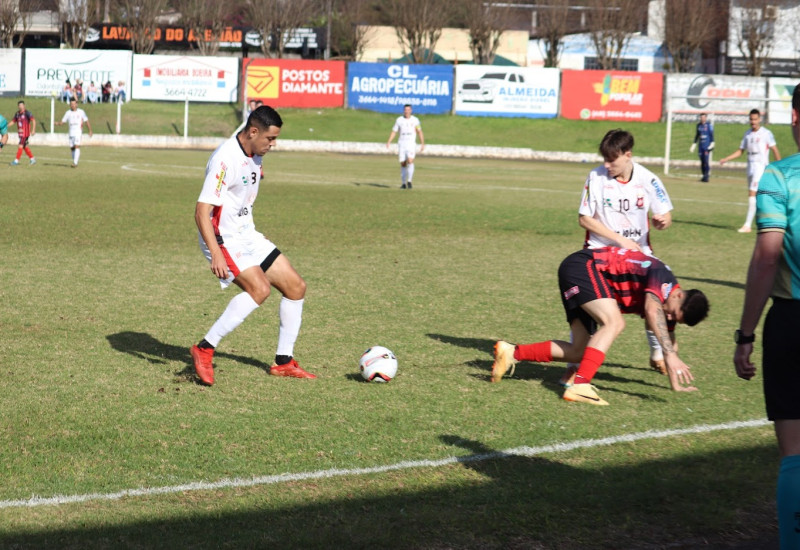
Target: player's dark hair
x,y
615,143
694,307
755,112
406,105
264,117
796,98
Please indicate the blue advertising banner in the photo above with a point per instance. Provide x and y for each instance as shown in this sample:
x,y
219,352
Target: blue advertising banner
x,y
386,87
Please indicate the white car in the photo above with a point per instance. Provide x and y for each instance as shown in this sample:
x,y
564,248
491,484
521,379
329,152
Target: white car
x,y
482,90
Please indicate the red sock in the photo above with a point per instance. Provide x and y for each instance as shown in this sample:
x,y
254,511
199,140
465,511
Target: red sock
x,y
539,352
28,152
592,359
19,154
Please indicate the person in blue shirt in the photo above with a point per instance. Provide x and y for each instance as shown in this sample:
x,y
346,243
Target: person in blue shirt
x,y
3,131
704,137
775,272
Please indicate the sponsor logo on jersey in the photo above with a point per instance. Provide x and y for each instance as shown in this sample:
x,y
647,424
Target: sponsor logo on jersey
x,y
631,233
244,212
666,290
220,178
660,193
640,201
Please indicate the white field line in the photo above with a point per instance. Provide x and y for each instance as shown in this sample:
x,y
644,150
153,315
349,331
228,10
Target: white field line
x,y
35,501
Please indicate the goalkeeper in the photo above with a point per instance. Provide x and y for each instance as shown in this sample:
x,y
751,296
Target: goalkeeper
x,y
704,136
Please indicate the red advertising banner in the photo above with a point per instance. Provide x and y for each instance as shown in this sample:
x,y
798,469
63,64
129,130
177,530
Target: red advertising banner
x,y
611,95
294,82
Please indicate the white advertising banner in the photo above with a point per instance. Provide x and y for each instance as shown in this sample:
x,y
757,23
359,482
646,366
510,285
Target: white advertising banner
x,y
10,71
177,78
490,90
46,70
730,98
780,112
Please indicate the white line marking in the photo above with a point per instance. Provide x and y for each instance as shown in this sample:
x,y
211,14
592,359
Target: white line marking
x,y
35,501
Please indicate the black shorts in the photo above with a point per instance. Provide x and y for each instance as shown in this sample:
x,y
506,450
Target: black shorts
x,y
782,360
580,282
23,141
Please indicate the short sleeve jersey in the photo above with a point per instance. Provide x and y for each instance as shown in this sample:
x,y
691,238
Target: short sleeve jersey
x,y
23,121
75,120
632,275
778,209
757,145
231,185
623,207
406,129
3,125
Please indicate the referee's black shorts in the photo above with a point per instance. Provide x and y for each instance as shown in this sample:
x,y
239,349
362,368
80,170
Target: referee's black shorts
x,y
782,360
580,282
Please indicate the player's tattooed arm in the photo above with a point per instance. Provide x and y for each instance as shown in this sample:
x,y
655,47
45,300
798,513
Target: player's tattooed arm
x,y
654,311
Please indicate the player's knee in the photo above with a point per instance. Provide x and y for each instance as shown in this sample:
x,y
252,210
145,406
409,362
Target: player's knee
x,y
259,292
297,289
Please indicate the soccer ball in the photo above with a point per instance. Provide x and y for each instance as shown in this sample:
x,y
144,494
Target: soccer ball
x,y
378,364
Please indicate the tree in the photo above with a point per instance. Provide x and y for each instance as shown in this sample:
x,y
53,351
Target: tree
x,y
552,25
754,31
15,21
197,16
73,16
418,24
611,25
140,16
688,26
275,20
485,23
347,21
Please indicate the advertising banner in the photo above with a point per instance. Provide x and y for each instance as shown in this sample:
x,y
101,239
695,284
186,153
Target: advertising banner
x,y
780,112
730,98
10,71
176,78
294,83
386,87
488,90
611,95
46,70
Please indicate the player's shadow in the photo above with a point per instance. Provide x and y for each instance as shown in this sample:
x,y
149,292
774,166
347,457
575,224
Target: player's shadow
x,y
143,346
732,284
371,184
702,224
480,344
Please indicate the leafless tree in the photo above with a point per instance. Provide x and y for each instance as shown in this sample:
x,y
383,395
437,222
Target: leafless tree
x,y
688,26
754,31
197,16
348,22
418,24
140,16
15,21
274,20
552,25
75,17
485,23
611,25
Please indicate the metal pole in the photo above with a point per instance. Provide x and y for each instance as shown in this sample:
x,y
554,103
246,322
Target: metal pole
x,y
52,113
119,115
186,118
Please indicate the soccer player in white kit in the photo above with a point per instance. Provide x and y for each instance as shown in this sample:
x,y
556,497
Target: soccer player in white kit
x,y
757,141
618,198
239,254
408,126
75,118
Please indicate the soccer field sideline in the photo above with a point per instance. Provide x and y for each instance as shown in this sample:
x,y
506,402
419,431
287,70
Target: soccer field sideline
x,y
523,451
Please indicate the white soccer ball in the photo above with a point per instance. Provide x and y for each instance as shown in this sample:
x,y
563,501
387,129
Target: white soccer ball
x,y
378,364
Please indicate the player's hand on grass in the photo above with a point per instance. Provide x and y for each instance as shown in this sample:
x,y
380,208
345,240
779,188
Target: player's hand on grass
x,y
680,374
745,369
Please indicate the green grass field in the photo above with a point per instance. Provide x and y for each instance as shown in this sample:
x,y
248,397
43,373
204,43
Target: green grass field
x,y
105,290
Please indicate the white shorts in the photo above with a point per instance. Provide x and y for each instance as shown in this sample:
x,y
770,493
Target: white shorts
x,y
74,141
406,151
754,173
241,253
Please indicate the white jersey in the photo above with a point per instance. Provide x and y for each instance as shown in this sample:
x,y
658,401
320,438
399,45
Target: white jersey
x,y
623,207
231,185
757,145
75,119
406,128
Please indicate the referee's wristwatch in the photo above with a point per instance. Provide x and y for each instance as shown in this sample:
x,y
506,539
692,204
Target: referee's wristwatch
x,y
740,338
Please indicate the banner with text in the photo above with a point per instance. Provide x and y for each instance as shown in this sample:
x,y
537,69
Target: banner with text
x,y
46,70
386,87
294,83
611,95
10,71
488,90
730,98
177,78
780,112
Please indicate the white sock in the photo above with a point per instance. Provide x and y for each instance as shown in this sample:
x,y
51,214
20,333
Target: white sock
x,y
76,156
237,311
411,172
656,353
291,314
751,211
403,174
